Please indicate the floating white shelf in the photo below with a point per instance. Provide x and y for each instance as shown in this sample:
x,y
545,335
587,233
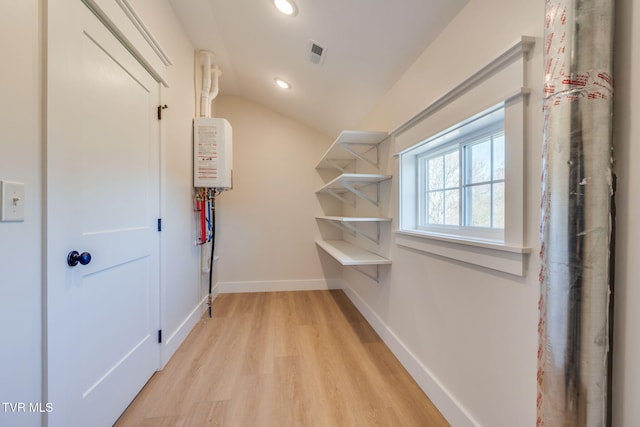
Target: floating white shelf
x,y
351,145
347,254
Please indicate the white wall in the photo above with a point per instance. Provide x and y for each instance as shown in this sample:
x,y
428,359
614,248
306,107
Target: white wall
x,y
266,226
626,394
21,243
473,330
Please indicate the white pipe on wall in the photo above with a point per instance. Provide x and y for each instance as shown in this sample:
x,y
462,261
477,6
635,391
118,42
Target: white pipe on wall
x,y
210,83
205,105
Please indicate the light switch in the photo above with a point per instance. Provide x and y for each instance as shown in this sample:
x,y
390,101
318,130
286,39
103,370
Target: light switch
x,y
11,201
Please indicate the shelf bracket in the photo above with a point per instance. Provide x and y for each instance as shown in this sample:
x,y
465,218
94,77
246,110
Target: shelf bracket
x,y
375,277
340,196
362,195
335,164
344,227
353,230
348,147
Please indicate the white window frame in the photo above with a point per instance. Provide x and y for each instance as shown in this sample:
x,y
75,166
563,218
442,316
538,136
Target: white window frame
x,y
500,83
466,134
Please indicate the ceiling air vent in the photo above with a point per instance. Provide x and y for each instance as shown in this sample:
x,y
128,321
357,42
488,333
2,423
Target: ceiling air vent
x,y
316,53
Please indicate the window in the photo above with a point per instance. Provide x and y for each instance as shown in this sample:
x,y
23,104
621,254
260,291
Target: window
x,y
462,192
460,175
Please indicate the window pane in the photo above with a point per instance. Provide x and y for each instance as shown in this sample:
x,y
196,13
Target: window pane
x,y
452,207
452,170
498,205
479,157
435,173
479,198
498,157
436,208
457,179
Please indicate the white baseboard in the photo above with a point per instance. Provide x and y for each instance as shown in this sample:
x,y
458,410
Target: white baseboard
x,y
278,286
171,343
450,408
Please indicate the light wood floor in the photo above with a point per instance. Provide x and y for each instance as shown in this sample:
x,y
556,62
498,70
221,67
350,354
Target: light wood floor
x,y
283,359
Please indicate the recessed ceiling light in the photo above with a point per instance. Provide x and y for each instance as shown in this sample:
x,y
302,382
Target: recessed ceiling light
x,y
282,84
288,7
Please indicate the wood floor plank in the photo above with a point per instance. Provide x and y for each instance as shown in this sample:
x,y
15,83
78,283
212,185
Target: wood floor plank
x,y
163,422
290,359
208,414
285,338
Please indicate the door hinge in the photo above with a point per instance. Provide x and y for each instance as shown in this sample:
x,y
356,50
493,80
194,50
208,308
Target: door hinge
x,y
159,336
159,224
160,108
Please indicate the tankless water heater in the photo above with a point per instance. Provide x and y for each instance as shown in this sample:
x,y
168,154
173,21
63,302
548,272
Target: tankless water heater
x,y
212,156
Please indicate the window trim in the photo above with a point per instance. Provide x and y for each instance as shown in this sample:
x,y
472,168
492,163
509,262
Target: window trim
x,y
501,81
494,256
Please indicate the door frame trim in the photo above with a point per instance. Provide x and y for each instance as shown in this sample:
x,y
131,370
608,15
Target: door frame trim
x,y
125,23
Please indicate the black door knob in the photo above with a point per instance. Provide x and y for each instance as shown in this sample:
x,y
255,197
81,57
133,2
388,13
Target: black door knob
x,y
74,258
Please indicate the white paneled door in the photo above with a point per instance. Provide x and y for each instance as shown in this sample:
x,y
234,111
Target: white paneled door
x,y
102,189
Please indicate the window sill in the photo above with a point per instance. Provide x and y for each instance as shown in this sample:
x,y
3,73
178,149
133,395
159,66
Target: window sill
x,y
495,256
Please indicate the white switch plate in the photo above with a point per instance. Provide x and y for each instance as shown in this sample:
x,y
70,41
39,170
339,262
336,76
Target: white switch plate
x,y
11,201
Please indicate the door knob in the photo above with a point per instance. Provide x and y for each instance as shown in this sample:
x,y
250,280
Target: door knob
x,y
74,258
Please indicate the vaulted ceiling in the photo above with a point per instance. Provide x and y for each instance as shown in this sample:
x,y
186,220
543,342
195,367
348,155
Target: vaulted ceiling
x,y
368,44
